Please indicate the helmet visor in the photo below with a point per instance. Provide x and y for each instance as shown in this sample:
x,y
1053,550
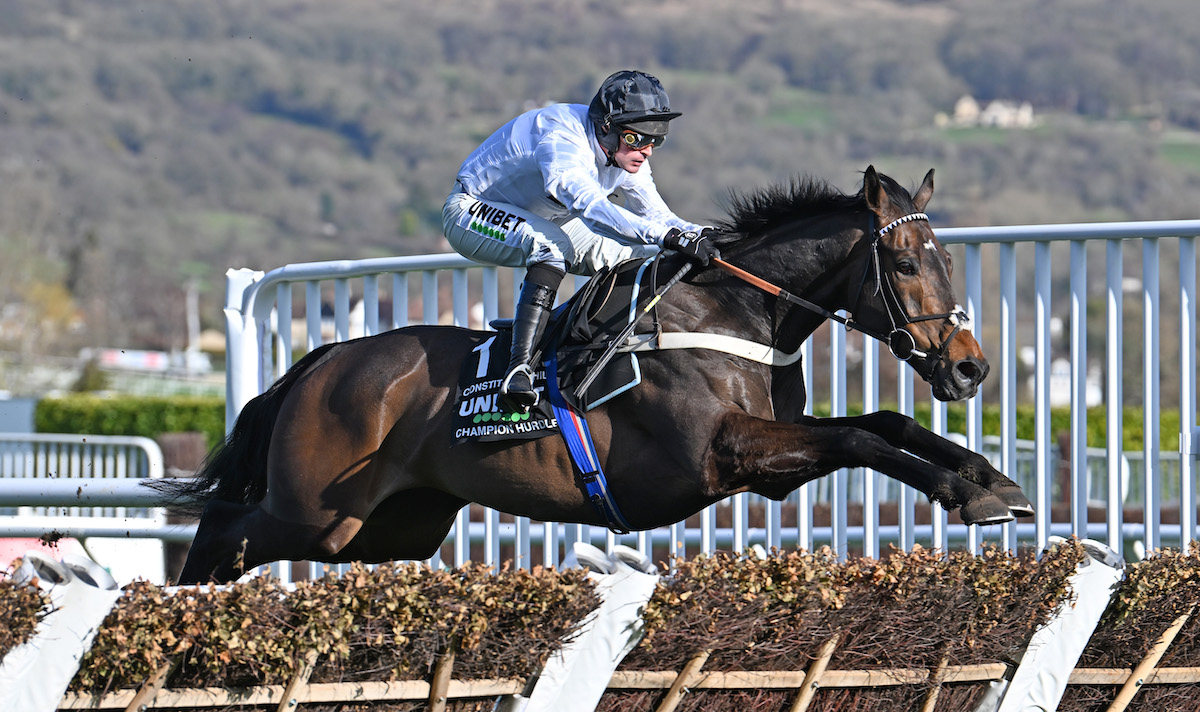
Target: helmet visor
x,y
648,127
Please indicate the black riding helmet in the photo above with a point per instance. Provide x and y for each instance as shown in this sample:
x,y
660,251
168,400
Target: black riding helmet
x,y
633,100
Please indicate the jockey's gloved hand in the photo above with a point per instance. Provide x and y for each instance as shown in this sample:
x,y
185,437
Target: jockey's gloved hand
x,y
696,246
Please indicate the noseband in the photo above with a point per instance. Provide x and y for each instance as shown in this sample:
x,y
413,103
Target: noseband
x,y
899,341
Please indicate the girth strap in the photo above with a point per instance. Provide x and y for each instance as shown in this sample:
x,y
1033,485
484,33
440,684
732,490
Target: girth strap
x,y
578,436
750,350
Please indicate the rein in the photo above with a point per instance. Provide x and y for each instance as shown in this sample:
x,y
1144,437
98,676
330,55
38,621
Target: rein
x,y
899,341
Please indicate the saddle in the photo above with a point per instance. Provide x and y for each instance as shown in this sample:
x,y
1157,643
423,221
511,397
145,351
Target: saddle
x,y
589,323
578,333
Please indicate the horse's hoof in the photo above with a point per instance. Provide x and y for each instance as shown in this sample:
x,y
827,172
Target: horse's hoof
x,y
1017,502
988,509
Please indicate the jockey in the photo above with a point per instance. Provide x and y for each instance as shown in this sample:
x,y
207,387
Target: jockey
x,y
536,194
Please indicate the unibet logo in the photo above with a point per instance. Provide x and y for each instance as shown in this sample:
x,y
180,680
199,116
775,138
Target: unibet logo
x,y
493,222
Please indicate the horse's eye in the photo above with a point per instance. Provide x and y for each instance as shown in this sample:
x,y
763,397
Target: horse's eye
x,y
906,267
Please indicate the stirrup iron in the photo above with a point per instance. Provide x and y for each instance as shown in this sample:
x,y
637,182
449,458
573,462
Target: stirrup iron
x,y
509,399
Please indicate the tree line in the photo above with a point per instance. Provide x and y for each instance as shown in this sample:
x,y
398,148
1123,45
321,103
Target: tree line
x,y
149,143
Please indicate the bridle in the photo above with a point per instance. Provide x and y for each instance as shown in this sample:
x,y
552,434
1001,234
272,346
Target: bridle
x,y
899,341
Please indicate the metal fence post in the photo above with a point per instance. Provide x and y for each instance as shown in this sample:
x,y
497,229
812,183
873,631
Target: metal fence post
x,y
1189,433
243,351
1150,437
1079,367
1113,393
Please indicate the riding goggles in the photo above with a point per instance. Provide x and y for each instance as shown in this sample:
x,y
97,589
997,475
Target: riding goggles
x,y
638,141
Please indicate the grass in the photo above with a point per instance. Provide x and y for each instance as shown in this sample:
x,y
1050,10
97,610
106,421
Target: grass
x,y
976,134
220,227
801,109
216,222
1182,151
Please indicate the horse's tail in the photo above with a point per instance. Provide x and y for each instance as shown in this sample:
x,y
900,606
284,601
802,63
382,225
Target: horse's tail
x,y
236,470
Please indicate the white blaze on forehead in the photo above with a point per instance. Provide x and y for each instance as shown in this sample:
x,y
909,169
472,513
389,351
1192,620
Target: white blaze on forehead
x,y
929,245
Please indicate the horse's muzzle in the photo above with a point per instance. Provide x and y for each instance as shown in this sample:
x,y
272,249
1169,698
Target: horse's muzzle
x,y
969,372
958,380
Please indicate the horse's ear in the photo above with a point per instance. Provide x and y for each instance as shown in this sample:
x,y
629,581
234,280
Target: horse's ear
x,y
877,198
925,192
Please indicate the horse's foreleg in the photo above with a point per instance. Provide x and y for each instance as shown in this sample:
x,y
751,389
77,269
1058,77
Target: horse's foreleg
x,y
906,433
769,457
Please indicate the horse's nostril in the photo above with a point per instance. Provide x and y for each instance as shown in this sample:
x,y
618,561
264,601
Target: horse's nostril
x,y
968,371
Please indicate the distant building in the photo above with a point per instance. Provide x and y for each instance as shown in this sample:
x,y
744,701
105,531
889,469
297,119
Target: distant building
x,y
998,114
967,111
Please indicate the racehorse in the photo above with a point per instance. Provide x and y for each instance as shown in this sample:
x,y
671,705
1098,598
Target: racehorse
x,y
349,455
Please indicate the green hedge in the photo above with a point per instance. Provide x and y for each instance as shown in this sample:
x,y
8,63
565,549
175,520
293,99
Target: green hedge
x,y
132,415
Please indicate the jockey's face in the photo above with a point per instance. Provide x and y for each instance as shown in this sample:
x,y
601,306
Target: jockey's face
x,y
631,159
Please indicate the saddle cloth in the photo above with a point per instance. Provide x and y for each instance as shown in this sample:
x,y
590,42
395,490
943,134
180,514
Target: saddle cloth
x,y
578,331
478,416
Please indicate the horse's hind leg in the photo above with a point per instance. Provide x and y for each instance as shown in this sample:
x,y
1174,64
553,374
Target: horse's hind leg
x,y
903,432
213,553
234,538
407,525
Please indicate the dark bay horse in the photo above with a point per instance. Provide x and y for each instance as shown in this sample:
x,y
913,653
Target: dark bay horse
x,y
350,455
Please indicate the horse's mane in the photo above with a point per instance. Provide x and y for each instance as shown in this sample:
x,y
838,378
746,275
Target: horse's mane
x,y
758,211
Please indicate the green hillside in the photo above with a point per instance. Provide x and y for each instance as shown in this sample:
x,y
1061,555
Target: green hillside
x,y
146,142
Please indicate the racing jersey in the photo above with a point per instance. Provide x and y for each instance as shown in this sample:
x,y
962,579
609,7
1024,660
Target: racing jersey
x,y
549,162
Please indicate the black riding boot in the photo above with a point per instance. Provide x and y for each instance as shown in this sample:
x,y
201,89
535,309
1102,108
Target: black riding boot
x,y
533,311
